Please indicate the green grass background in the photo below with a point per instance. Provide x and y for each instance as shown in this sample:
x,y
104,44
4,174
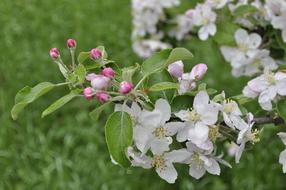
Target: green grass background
x,y
66,150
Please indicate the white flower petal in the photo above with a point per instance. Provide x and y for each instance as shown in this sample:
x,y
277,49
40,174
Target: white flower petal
x,y
173,127
159,146
214,168
200,100
196,171
282,137
239,152
282,160
164,107
199,133
142,138
177,155
138,159
168,173
183,134
183,115
150,119
281,87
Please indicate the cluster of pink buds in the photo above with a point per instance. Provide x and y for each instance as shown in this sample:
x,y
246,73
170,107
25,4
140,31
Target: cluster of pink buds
x,y
100,83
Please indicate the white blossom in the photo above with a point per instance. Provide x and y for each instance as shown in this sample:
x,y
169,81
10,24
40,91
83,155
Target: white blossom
x,y
162,162
204,17
198,121
282,156
246,58
276,10
184,25
145,48
231,113
153,131
218,4
200,162
267,87
245,135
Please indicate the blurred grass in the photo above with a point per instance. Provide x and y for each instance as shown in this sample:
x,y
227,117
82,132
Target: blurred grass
x,y
67,150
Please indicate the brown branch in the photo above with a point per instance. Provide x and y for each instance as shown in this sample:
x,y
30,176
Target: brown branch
x,y
268,120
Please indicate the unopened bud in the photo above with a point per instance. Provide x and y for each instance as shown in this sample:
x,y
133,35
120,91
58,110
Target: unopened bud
x,y
108,72
102,97
95,54
176,69
198,71
54,53
71,43
125,87
87,93
100,82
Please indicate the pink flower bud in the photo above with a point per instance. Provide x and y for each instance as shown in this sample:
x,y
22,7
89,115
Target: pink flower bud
x,y
198,71
189,13
95,54
102,97
125,87
108,72
87,93
90,76
176,69
100,82
54,53
71,43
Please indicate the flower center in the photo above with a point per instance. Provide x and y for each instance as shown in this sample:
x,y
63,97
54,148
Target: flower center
x,y
195,159
159,132
253,137
270,78
158,162
243,48
229,107
213,132
194,116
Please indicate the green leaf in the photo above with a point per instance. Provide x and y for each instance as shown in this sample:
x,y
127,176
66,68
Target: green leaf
x,y
225,33
128,72
241,99
118,133
60,102
27,95
244,10
281,109
96,113
103,52
163,86
162,59
80,72
179,54
160,77
156,62
83,56
182,102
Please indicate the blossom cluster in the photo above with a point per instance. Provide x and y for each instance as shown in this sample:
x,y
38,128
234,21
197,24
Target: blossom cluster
x,y
146,16
197,129
247,58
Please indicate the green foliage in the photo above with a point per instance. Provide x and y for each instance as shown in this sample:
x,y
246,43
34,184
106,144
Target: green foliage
x,y
281,109
27,95
128,72
119,133
244,10
96,113
162,59
83,56
163,86
60,102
